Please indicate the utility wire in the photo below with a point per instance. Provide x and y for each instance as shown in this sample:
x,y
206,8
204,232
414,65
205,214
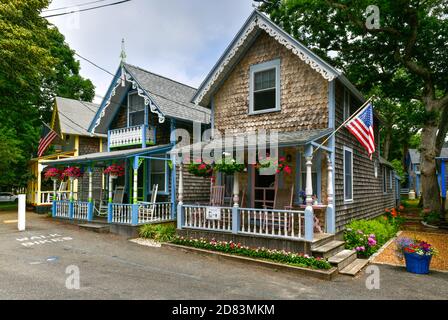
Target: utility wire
x,y
74,6
87,9
94,64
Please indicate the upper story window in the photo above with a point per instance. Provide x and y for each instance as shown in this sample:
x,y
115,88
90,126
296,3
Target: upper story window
x,y
265,87
136,109
384,180
346,104
348,174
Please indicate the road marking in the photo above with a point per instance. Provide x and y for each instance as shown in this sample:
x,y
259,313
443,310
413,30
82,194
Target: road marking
x,y
37,240
10,221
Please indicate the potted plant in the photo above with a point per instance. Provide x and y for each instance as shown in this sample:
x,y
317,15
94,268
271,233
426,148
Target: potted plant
x,y
53,174
417,254
72,173
228,165
280,165
114,171
200,169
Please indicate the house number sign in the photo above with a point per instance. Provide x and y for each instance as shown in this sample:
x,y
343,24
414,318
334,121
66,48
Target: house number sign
x,y
213,213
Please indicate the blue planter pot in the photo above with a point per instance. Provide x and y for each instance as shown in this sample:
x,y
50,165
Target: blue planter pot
x,y
416,263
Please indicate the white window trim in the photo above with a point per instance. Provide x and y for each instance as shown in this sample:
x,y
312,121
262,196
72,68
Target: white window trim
x,y
351,151
390,179
262,67
133,93
346,104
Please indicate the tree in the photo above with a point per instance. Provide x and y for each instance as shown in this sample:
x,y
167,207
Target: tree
x,y
411,37
35,66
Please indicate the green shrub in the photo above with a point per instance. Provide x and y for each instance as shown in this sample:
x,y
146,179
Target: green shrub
x,y
367,236
159,232
430,216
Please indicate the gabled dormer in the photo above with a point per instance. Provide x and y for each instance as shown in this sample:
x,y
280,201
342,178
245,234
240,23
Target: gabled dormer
x,y
141,109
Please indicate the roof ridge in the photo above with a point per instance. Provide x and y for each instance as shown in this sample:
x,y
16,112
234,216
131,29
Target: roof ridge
x,y
161,76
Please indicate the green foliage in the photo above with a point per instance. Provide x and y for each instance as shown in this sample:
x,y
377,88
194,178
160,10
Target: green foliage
x,y
259,253
398,167
35,65
358,232
158,232
430,217
410,203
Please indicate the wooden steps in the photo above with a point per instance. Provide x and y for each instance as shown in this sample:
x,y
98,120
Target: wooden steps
x,y
353,268
95,227
334,251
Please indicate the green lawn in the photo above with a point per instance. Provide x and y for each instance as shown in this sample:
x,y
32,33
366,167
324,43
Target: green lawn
x,y
8,206
410,203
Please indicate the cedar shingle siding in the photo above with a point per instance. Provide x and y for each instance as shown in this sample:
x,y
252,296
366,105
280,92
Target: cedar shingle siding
x,y
90,145
368,198
304,97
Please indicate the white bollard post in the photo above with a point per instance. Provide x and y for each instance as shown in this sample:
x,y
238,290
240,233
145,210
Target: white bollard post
x,y
22,213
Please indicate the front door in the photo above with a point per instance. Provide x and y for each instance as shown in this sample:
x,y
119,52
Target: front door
x,y
264,190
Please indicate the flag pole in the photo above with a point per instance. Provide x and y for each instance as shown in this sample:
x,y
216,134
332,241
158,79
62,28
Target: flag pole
x,y
345,122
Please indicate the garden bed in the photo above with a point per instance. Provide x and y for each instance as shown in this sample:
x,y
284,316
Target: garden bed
x,y
323,274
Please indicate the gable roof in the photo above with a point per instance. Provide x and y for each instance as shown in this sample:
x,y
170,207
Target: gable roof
x,y
414,154
164,96
256,23
74,116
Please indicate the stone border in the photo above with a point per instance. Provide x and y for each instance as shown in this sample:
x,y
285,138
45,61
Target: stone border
x,y
320,274
428,225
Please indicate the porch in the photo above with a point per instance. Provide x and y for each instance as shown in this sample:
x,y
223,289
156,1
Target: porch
x,y
124,200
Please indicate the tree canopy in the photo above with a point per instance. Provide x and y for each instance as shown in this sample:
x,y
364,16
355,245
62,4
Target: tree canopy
x,y
35,66
402,56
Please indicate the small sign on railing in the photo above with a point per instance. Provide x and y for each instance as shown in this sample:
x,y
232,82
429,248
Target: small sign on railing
x,y
213,213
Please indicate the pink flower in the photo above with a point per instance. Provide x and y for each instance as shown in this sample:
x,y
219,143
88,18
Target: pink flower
x,y
287,169
371,242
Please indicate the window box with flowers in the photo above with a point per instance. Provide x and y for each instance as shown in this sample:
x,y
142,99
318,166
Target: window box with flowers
x,y
417,254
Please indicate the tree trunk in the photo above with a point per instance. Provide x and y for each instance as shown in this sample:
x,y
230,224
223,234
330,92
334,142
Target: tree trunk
x,y
430,186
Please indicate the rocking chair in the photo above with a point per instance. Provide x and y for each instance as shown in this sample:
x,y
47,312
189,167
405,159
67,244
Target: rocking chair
x,y
146,209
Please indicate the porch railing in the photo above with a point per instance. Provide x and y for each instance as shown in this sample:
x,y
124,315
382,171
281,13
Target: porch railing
x,y
153,212
130,136
62,209
196,218
46,197
273,223
81,210
121,213
289,224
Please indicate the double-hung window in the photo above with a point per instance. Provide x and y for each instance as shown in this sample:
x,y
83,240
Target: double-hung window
x,y
159,173
136,109
348,174
346,104
265,87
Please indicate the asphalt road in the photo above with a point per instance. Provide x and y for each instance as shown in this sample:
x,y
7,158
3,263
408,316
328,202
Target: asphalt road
x,y
33,265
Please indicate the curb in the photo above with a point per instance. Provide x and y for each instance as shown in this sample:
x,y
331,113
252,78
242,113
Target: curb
x,y
327,275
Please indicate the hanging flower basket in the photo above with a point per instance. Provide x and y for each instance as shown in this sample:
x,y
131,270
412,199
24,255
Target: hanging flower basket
x,y
228,165
53,174
114,171
417,254
72,173
280,165
200,169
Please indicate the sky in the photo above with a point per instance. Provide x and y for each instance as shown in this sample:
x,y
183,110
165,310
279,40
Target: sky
x,y
179,39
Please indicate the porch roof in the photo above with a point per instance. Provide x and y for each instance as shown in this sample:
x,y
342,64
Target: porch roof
x,y
112,155
385,162
285,139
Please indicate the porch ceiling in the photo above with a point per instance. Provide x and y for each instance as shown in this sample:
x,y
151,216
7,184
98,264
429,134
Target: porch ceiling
x,y
113,155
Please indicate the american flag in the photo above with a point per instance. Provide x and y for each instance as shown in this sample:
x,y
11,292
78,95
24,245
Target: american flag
x,y
47,137
361,127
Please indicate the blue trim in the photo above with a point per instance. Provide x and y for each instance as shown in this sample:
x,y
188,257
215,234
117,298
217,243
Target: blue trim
x,y
106,97
134,214
109,212
443,178
108,140
331,105
173,170
144,126
319,176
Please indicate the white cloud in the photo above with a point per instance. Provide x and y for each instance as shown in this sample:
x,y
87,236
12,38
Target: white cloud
x,y
176,38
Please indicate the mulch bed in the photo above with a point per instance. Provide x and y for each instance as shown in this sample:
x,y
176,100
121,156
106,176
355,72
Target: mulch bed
x,y
437,240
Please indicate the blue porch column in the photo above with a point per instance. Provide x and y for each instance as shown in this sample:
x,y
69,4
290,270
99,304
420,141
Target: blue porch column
x,y
90,197
173,169
135,192
53,204
144,135
109,205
